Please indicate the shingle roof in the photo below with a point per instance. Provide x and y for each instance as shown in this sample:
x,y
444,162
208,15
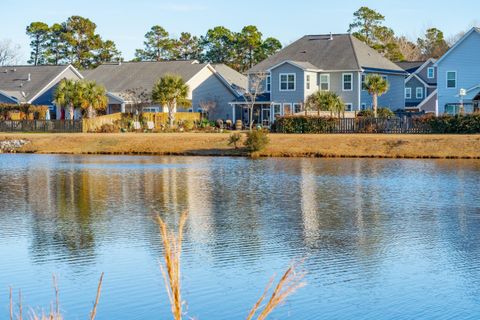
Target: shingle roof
x,y
14,80
325,52
410,66
237,80
133,75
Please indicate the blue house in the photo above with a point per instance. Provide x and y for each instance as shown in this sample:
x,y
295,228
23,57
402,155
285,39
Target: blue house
x,y
459,72
420,85
332,62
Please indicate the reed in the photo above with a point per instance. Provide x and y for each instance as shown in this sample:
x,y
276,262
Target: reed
x,y
172,250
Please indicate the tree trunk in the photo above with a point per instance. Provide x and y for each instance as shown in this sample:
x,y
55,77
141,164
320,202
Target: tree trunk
x,y
90,112
72,112
250,117
375,104
171,114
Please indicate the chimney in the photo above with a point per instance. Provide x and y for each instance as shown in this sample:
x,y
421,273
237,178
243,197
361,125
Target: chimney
x,y
331,36
29,77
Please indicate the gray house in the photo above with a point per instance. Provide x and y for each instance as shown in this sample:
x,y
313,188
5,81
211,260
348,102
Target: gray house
x,y
334,62
420,85
34,85
459,72
129,85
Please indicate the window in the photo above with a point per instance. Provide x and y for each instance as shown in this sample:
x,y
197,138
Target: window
x,y
348,107
364,82
364,106
325,82
385,78
277,109
287,81
297,107
419,93
347,81
287,108
307,81
451,79
408,93
431,73
268,82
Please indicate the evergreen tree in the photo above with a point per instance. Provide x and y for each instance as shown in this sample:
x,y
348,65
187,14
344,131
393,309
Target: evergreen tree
x,y
157,46
38,33
433,45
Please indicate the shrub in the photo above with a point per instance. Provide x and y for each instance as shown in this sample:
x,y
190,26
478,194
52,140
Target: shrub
x,y
385,113
108,128
234,139
461,124
303,124
256,140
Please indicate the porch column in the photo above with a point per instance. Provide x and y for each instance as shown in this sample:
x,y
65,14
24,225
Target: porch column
x,y
122,107
233,114
272,116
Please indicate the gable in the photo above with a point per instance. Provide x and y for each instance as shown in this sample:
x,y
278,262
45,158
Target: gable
x,y
466,49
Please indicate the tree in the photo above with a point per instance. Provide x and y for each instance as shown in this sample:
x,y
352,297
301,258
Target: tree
x,y
39,33
187,47
408,49
157,46
376,86
108,52
433,45
92,96
269,47
171,91
56,45
67,95
325,101
9,53
79,34
255,88
218,45
368,27
248,43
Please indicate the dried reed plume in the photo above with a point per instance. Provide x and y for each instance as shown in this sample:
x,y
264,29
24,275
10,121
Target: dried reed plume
x,y
172,250
54,313
290,282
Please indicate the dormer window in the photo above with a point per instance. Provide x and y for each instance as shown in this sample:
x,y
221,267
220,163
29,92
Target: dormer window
x,y
287,81
431,73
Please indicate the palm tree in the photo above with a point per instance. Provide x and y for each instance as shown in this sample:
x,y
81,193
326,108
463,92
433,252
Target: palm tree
x,y
376,86
93,97
171,91
325,101
67,96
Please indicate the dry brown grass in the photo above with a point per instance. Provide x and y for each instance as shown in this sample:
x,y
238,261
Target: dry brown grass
x,y
281,145
54,313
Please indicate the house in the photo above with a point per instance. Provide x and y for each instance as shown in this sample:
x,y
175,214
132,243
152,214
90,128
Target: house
x,y
34,85
129,85
334,62
459,72
420,85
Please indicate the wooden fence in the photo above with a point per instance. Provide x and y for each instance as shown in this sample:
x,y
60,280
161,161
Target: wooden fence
x,y
94,124
41,126
161,118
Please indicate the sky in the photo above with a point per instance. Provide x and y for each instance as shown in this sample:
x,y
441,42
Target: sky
x,y
126,22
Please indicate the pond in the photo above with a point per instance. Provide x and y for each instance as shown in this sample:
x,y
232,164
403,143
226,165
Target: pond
x,y
381,239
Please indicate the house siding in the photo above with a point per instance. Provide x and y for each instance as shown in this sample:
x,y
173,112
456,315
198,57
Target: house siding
x,y
424,76
288,96
394,99
413,84
465,60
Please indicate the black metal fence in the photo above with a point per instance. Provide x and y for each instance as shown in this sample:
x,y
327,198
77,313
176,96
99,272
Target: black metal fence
x,y
377,125
58,126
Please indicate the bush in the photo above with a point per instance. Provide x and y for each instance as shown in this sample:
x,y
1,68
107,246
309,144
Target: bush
x,y
108,128
234,139
382,113
452,124
256,140
303,124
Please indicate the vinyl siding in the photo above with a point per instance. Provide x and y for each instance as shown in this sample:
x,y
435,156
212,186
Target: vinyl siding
x,y
288,96
5,99
414,83
46,98
394,99
465,60
424,76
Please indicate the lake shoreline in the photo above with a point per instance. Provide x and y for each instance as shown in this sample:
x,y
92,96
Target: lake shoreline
x,y
281,145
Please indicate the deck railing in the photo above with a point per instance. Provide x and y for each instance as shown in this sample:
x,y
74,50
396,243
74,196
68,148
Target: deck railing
x,y
66,126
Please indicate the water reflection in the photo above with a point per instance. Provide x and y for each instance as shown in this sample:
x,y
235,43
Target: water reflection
x,y
377,233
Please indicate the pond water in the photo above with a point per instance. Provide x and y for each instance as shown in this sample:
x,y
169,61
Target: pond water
x,y
382,239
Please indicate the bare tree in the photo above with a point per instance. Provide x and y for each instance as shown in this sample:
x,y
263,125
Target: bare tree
x,y
208,106
9,53
139,98
409,50
256,86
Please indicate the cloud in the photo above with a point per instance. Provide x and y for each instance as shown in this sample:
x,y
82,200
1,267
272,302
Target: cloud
x,y
176,7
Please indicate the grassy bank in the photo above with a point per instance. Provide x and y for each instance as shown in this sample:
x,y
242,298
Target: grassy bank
x,y
281,145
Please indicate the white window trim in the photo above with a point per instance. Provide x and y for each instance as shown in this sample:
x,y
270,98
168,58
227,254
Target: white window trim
x,y
297,104
446,78
279,108
419,92
348,106
283,108
433,72
280,82
362,81
328,81
268,81
308,82
409,91
343,81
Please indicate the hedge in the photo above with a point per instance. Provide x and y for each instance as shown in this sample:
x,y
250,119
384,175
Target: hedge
x,y
303,124
453,124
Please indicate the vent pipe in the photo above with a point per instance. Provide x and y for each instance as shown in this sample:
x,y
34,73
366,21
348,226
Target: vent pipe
x,y
331,36
29,77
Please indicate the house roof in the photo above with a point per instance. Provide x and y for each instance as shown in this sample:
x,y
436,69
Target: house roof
x,y
235,78
337,52
410,66
24,83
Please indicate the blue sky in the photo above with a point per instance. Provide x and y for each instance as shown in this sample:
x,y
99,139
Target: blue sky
x,y
126,22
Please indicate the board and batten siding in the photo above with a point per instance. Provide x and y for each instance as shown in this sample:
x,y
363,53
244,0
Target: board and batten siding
x,y
394,99
465,60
